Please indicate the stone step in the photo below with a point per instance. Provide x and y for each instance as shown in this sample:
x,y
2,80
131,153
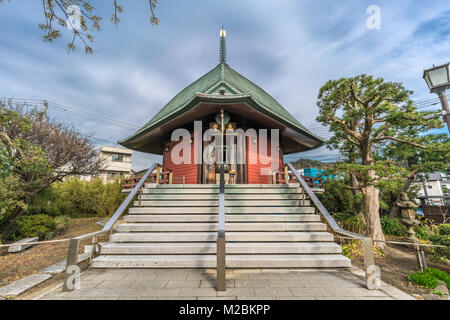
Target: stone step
x,y
180,191
230,236
209,261
270,186
181,186
210,196
275,210
228,203
249,190
262,191
178,197
215,210
178,203
174,210
234,226
229,218
210,248
266,203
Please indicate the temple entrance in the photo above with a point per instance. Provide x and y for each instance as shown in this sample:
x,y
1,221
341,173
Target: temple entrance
x,y
234,172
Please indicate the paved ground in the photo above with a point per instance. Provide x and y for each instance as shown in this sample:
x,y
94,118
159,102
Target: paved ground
x,y
192,284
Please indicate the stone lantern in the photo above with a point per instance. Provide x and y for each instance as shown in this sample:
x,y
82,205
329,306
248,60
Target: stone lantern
x,y
407,215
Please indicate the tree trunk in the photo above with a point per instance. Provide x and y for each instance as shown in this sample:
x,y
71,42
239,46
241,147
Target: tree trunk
x,y
394,210
8,224
372,202
357,205
372,215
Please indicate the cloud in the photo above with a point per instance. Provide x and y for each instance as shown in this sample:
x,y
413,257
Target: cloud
x,y
289,48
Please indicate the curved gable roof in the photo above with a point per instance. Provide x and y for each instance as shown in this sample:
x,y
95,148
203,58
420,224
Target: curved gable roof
x,y
222,77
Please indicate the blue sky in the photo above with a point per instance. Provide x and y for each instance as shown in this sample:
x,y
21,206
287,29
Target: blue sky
x,y
289,48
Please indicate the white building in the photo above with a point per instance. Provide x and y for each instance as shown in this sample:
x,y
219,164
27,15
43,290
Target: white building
x,y
436,183
116,162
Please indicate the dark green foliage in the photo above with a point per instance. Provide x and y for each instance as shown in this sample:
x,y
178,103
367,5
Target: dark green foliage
x,y
40,225
429,278
444,229
443,241
308,163
355,224
439,274
421,232
337,198
75,197
423,279
393,227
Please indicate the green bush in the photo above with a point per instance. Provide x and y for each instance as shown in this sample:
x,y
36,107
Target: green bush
x,y
39,225
444,229
439,274
423,279
355,224
443,241
337,198
341,216
75,197
421,232
61,222
393,227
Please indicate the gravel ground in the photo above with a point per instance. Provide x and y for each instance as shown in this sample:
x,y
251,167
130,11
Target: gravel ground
x,y
14,266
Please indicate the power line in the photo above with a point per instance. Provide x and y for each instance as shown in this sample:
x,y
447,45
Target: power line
x,y
74,111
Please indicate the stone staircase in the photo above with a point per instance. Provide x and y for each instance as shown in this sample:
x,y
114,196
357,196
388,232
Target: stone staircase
x,y
267,226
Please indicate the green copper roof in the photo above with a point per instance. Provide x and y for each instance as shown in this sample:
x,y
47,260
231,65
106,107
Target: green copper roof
x,y
222,77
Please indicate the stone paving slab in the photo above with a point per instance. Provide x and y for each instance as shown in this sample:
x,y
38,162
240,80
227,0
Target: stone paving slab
x,y
22,244
242,284
60,266
17,287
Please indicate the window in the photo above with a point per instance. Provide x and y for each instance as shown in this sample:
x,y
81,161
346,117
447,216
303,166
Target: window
x,y
117,157
111,175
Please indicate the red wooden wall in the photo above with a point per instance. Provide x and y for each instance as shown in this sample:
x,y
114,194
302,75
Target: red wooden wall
x,y
254,170
189,171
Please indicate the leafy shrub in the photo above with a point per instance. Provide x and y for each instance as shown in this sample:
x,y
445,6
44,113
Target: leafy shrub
x,y
421,232
444,229
340,216
354,248
439,274
355,224
75,197
11,190
423,279
39,225
443,241
393,227
61,222
337,198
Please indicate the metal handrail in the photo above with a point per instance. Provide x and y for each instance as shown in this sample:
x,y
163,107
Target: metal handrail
x,y
72,256
367,242
323,211
221,248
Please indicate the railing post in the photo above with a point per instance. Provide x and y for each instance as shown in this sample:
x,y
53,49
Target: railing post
x,y
157,174
72,260
221,270
221,247
286,175
369,262
170,177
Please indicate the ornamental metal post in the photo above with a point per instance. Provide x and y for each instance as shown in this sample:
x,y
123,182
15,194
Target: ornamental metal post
x,y
445,108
